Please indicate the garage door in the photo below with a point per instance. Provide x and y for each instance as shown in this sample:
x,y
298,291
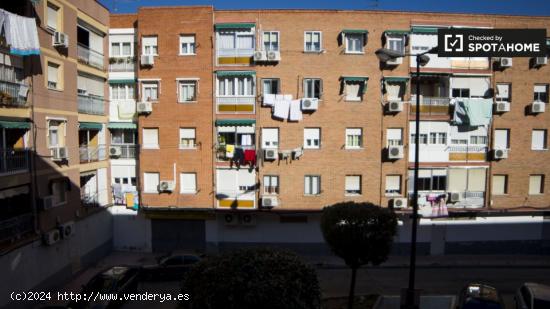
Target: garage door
x,y
173,235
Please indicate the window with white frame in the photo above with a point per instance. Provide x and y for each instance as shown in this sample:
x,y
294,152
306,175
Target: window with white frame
x,y
354,90
150,138
270,138
354,138
149,44
312,185
538,139
271,184
540,92
270,40
422,139
187,45
52,20
502,139
270,86
396,43
503,92
56,133
394,137
353,185
461,93
500,184
438,138
395,91
188,183
478,140
187,138
123,136
312,41
187,91
393,185
150,91
121,49
312,138
536,184
236,86
122,91
151,182
228,41
354,43
313,88
54,76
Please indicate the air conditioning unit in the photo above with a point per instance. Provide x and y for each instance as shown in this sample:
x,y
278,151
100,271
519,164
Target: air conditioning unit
x,y
144,107
398,203
395,61
538,107
47,202
505,62
273,55
51,237
395,106
59,153
310,104
60,39
147,60
115,151
270,154
395,152
66,230
455,197
502,107
539,61
166,186
270,201
499,154
247,219
260,55
231,219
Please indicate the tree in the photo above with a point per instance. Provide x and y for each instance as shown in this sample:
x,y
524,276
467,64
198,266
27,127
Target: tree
x,y
359,233
251,279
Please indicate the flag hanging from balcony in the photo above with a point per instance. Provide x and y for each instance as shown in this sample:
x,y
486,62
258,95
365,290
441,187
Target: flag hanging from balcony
x,y
21,33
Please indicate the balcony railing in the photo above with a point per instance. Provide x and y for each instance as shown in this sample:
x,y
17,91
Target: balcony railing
x,y
236,104
469,199
468,149
16,227
92,153
122,65
13,89
90,57
235,52
89,200
14,161
431,105
221,152
128,151
237,200
91,104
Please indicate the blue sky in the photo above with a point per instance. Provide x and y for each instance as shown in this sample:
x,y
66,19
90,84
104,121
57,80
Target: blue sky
x,y
516,7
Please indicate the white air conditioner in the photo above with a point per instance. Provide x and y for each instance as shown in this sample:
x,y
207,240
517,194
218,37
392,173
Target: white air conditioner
x,y
66,230
147,60
51,237
59,153
500,154
144,107
310,104
505,62
395,106
270,154
166,186
115,151
270,201
247,219
395,152
273,55
47,202
399,203
231,219
538,107
502,107
260,55
455,197
539,61
395,61
60,39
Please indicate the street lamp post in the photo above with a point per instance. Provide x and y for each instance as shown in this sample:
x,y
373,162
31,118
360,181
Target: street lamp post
x,y
421,60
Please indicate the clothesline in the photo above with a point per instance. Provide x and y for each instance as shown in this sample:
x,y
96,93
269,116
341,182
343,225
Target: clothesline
x,y
21,33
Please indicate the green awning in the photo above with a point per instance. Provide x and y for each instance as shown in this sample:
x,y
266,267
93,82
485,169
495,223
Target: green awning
x,y
122,81
396,32
15,124
393,79
235,73
90,126
234,122
355,78
122,125
234,26
359,31
425,30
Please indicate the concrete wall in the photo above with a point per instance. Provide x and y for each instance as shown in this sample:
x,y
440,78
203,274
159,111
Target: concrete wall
x,y
131,231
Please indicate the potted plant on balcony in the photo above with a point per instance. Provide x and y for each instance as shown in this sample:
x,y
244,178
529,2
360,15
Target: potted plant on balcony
x,y
112,60
6,97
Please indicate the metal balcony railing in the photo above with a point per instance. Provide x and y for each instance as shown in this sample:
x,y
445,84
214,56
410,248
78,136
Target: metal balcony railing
x,y
235,52
91,104
467,149
221,152
89,200
14,161
122,65
90,57
92,153
431,105
13,89
236,104
128,151
16,227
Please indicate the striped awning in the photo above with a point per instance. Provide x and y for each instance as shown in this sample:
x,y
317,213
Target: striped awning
x,y
424,30
122,125
234,26
121,81
235,122
395,79
396,32
4,124
357,31
235,73
90,126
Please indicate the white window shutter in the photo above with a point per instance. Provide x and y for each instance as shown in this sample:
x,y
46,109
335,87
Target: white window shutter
x,y
270,137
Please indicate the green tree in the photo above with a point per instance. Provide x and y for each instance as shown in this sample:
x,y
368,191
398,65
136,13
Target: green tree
x,y
252,279
359,233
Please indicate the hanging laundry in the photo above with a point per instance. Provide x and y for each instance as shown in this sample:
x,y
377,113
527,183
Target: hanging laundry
x,y
238,156
295,111
281,109
473,111
269,99
229,150
126,109
21,33
250,156
287,97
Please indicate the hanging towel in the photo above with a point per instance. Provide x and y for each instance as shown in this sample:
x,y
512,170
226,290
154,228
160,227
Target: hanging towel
x,y
287,97
126,109
250,156
229,150
21,34
480,111
295,111
281,109
269,99
279,97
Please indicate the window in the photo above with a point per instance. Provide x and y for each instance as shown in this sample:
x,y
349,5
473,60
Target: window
x,y
394,137
478,140
503,93
431,180
313,88
312,41
395,91
187,91
122,91
188,183
270,138
500,184
233,40
149,91
53,16
437,138
502,139
270,40
312,138
56,133
461,93
149,45
270,86
393,185
151,138
187,45
271,184
354,138
123,137
353,185
354,43
354,90
396,43
236,86
121,49
187,138
536,184
423,139
541,93
538,140
312,185
59,191
54,76
150,182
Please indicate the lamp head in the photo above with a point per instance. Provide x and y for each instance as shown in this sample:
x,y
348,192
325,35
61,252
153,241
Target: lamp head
x,y
385,54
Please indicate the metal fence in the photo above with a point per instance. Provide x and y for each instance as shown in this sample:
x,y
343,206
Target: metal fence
x,y
14,160
90,57
90,104
92,153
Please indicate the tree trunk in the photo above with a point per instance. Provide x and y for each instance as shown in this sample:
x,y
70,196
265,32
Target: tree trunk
x,y
351,297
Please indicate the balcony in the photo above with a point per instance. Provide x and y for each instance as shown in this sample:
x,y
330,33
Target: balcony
x,y
431,105
468,199
14,161
89,200
236,200
16,227
467,153
235,56
122,64
236,105
91,104
92,153
128,151
13,89
222,155
90,57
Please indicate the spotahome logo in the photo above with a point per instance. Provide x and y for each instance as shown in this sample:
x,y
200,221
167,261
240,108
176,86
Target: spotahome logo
x,y
457,42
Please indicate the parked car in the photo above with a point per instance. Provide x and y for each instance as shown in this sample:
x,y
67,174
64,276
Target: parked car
x,y
118,279
170,267
479,296
533,296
